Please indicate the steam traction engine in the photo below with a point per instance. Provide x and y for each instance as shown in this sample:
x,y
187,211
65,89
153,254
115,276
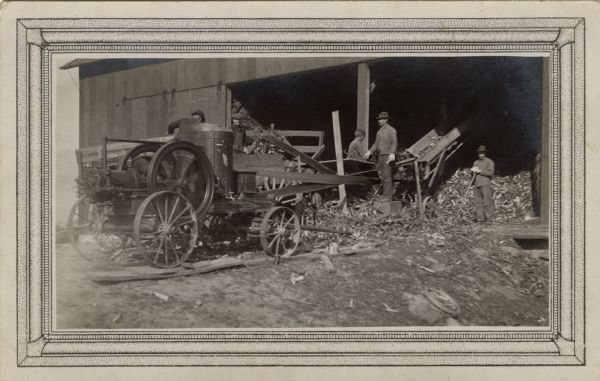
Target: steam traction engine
x,y
164,197
157,197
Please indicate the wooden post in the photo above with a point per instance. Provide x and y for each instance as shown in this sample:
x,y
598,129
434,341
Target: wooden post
x,y
363,93
419,196
228,108
339,156
224,106
437,168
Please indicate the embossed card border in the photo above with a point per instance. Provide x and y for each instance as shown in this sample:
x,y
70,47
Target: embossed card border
x,y
561,343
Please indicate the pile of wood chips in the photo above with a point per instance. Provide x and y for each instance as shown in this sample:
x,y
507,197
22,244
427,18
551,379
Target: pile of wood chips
x,y
449,206
452,205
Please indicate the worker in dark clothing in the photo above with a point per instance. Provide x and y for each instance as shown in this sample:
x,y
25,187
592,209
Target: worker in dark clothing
x,y
357,148
239,136
386,143
199,116
196,115
483,170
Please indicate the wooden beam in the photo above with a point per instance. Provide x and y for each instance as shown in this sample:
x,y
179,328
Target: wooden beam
x,y
318,152
363,95
419,195
223,105
339,156
313,134
228,98
307,149
290,150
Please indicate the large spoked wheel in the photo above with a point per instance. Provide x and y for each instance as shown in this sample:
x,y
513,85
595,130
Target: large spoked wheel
x,y
183,168
165,229
139,154
280,231
85,231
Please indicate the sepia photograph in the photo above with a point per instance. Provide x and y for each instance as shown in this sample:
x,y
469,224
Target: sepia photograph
x,y
304,192
389,187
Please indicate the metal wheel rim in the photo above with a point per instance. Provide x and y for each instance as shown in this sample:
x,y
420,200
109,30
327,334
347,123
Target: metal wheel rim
x,y
285,239
137,151
175,220
98,235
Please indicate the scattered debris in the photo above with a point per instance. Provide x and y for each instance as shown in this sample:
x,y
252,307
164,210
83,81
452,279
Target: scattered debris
x,y
363,245
333,248
294,278
198,303
509,250
425,268
117,318
162,297
478,251
388,309
327,263
351,303
442,301
436,239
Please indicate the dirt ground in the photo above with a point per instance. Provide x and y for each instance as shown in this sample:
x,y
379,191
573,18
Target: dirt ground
x,y
493,282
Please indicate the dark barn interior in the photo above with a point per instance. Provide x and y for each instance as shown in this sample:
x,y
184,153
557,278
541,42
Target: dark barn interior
x,y
499,97
304,102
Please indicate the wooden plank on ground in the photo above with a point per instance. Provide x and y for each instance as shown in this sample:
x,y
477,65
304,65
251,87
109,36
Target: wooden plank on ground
x,y
148,273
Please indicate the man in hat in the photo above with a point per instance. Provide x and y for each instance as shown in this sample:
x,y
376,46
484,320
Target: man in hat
x,y
197,115
357,149
386,143
483,170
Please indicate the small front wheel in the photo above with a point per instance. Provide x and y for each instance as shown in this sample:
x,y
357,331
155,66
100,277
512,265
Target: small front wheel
x,y
165,229
86,221
280,231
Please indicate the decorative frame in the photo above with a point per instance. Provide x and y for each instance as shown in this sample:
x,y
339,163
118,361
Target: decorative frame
x,y
561,343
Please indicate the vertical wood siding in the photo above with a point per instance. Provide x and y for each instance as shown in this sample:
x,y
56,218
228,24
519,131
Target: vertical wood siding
x,y
141,102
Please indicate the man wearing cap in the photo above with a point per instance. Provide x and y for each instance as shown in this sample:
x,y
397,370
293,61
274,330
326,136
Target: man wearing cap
x,y
197,115
483,170
357,149
385,145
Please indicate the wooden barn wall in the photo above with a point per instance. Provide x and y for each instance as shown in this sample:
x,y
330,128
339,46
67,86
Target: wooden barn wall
x,y
140,102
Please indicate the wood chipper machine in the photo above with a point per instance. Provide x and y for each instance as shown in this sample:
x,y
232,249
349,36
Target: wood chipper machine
x,y
423,162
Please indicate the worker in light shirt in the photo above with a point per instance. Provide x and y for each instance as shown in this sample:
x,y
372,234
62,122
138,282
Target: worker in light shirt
x,y
483,170
386,143
357,148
